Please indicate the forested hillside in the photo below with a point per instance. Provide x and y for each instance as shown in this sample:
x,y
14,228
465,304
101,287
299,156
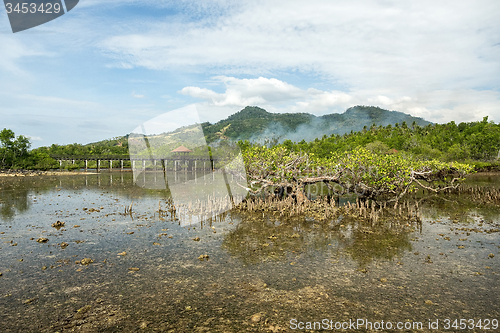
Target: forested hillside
x,y
474,141
254,124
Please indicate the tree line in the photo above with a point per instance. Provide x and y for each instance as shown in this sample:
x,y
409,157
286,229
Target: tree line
x,y
15,151
471,142
476,143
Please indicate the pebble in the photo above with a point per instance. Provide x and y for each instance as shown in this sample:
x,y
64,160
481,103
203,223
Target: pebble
x,y
42,240
84,309
86,261
58,224
135,269
256,317
30,300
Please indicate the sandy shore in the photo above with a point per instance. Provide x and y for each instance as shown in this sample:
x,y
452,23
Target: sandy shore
x,y
31,173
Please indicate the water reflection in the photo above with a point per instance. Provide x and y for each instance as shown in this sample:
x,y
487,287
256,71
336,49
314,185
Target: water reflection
x,y
258,265
257,239
14,193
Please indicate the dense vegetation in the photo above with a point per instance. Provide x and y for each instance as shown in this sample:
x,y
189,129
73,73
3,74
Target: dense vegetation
x,y
375,162
471,142
253,123
475,142
359,171
15,153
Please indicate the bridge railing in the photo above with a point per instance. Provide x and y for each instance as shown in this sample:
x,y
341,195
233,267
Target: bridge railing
x,y
127,157
90,157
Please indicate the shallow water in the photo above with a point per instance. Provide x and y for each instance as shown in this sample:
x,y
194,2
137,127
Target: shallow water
x,y
262,271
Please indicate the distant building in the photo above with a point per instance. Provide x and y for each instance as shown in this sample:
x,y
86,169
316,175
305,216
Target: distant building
x,y
181,150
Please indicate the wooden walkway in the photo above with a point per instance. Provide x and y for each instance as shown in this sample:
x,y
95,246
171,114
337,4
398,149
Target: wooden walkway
x,y
174,163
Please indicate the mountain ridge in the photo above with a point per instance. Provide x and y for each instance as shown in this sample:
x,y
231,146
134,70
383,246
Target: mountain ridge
x,y
254,123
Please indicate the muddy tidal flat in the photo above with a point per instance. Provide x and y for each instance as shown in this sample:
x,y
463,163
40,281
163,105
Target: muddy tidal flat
x,y
97,253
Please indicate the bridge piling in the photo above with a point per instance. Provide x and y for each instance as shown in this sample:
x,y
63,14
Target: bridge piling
x,y
178,163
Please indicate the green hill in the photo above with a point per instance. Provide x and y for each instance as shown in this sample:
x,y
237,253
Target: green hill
x,y
254,123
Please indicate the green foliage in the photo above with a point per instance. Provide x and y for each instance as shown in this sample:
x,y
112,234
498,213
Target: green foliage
x,y
253,122
71,167
359,171
41,160
13,151
377,147
378,174
474,141
115,146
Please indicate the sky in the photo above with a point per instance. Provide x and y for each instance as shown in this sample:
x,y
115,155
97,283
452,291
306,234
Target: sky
x,y
108,66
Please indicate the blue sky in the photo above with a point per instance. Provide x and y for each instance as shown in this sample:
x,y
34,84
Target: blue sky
x,y
107,66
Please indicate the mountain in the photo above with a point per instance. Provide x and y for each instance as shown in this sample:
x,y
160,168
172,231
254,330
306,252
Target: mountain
x,y
254,123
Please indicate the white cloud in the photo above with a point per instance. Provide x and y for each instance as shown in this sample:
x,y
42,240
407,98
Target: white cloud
x,y
54,102
278,96
438,60
14,50
34,138
429,58
363,44
137,95
243,92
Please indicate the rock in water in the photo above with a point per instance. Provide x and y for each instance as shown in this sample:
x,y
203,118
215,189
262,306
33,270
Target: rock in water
x,y
86,261
58,224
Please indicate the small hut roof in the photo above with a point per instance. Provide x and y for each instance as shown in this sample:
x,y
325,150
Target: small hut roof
x,y
181,149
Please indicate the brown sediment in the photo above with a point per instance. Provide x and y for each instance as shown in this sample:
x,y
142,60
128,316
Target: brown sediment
x,y
478,194
32,173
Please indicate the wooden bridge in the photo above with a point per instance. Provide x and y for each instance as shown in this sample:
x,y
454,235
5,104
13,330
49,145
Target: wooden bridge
x,y
174,163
